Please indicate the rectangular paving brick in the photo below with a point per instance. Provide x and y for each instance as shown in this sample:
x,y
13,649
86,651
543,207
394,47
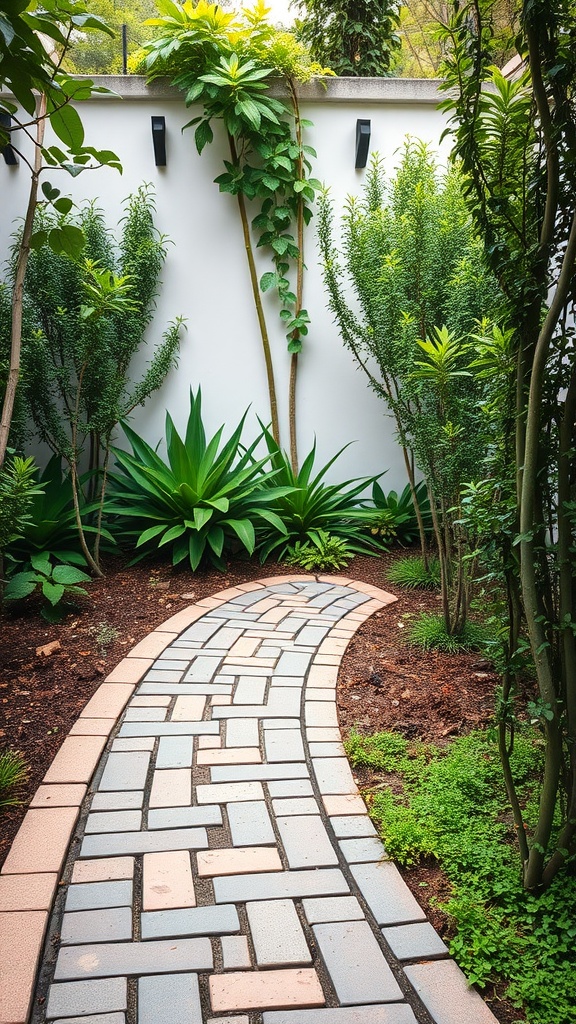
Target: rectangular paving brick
x,y
106,960
58,796
316,693
332,908
250,824
284,702
250,690
126,801
86,997
41,842
386,893
96,926
320,713
152,645
242,732
323,676
76,759
295,805
184,817
260,990
238,861
245,647
224,638
282,723
209,742
129,670
167,881
165,674
188,709
109,700
219,700
171,999
111,845
292,664
258,772
235,954
202,630
170,729
203,670
333,775
283,745
171,787
113,821
229,792
107,869
185,689
95,1018
355,963
446,994
415,942
91,727
349,803
99,895
285,884
142,743
125,771
327,750
393,1013
21,937
277,934
291,787
353,826
362,851
208,920
306,842
27,892
145,715
230,755
175,752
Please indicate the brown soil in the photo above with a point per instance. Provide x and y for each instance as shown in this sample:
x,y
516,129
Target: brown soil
x,y
383,683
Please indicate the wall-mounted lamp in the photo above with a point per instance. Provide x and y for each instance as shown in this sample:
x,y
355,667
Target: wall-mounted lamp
x,y
159,140
7,151
362,142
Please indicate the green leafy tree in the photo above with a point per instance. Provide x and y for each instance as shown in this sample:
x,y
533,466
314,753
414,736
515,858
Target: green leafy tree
x,y
33,73
93,55
227,62
516,140
354,37
422,49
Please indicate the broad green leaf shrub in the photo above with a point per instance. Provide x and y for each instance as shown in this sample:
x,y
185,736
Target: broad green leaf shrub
x,y
394,514
58,584
310,506
454,810
204,502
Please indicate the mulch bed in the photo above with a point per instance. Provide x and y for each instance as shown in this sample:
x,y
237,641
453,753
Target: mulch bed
x,y
383,684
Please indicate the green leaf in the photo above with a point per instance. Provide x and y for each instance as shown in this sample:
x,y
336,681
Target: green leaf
x,y
202,516
244,530
38,239
20,586
67,240
63,205
268,280
53,592
69,575
67,125
41,562
203,135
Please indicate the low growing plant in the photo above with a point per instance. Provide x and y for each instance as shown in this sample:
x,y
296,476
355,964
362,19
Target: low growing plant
x,y
395,515
429,632
13,773
413,573
59,585
206,500
324,554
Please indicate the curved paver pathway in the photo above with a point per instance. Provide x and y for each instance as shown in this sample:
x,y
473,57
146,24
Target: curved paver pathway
x,y
223,866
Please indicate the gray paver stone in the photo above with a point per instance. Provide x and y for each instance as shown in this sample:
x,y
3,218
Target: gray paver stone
x,y
250,690
318,713
326,749
393,1013
312,636
333,908
355,963
306,842
250,824
201,630
170,728
117,801
202,670
96,926
95,1018
96,895
360,851
295,805
124,958
283,745
145,714
283,884
125,771
242,732
224,638
184,817
333,775
235,954
141,743
350,826
184,689
415,942
296,787
281,723
277,934
258,772
83,997
292,664
386,893
446,994
175,752
164,675
114,821
116,844
161,924
171,999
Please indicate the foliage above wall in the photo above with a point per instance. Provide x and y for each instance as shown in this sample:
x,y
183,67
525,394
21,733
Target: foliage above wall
x,y
355,37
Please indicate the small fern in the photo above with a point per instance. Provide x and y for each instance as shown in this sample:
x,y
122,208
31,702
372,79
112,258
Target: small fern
x,y
322,553
413,574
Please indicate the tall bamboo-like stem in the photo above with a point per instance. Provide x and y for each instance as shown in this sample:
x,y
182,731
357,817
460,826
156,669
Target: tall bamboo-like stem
x,y
258,303
299,283
18,292
76,482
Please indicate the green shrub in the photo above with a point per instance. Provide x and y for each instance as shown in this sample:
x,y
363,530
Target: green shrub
x,y
413,574
57,583
454,809
429,632
322,555
203,502
310,506
394,517
13,773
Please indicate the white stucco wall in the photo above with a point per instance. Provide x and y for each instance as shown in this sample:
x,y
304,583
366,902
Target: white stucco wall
x,y
206,277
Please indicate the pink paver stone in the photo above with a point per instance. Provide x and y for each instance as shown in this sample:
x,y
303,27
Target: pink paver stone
x,y
323,676
347,804
27,892
152,645
244,647
21,937
443,989
265,990
106,869
58,796
189,709
209,742
76,759
230,755
129,670
240,861
109,700
171,787
41,841
92,726
220,700
178,622
167,881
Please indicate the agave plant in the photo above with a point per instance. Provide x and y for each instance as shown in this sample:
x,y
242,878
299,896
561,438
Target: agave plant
x,y
393,515
310,508
206,500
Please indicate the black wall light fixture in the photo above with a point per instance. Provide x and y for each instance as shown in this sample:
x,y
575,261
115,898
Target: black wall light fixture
x,y
7,151
362,142
159,140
